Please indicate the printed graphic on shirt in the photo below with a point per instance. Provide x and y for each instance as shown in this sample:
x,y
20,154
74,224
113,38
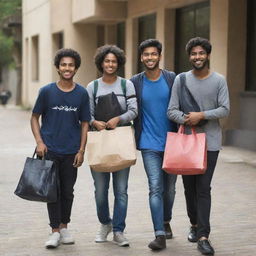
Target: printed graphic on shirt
x,y
65,108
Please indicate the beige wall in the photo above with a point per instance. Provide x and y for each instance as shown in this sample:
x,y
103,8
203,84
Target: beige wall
x,y
36,21
144,7
228,56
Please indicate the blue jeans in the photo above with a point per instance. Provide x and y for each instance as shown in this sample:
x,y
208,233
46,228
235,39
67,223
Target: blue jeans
x,y
161,189
120,185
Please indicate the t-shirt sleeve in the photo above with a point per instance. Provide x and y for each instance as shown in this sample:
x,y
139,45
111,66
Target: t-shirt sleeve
x,y
85,115
40,102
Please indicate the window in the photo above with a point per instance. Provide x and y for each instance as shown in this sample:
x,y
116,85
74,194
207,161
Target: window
x,y
191,21
146,30
121,42
58,41
251,49
35,58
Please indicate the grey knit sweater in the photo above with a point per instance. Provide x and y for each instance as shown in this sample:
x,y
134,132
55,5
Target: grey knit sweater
x,y
212,97
129,105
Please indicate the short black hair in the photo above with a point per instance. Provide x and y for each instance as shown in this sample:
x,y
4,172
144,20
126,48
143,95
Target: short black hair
x,y
198,41
150,43
102,51
67,52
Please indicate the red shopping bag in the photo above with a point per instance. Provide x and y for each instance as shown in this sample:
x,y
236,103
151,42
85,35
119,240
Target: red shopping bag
x,y
185,154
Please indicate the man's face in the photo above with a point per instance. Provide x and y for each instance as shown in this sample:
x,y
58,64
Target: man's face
x,y
67,68
199,58
110,64
150,58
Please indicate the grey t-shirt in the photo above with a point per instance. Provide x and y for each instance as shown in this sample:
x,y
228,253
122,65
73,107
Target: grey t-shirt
x,y
212,97
128,104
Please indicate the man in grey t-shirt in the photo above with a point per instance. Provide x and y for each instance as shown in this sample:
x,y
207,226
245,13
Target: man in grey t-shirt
x,y
210,91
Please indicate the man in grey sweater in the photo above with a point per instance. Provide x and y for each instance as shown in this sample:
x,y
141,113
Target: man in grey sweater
x,y
210,91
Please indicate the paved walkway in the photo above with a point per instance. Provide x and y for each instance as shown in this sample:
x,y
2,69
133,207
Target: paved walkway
x,y
24,225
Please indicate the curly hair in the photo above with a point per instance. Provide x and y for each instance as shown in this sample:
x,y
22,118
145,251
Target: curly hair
x,y
150,43
106,49
198,41
64,52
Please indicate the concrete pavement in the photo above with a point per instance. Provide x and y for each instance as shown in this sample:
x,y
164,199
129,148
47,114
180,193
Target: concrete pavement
x,y
24,225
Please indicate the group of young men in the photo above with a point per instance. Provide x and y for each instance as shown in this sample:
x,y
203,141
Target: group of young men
x,y
65,111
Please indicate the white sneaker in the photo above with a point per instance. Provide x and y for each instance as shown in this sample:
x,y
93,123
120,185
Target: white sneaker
x,y
66,237
53,241
120,239
102,235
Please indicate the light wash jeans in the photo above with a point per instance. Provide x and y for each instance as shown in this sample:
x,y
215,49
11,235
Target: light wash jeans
x,y
161,189
120,185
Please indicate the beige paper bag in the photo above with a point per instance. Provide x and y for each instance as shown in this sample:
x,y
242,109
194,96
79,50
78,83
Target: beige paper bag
x,y
111,150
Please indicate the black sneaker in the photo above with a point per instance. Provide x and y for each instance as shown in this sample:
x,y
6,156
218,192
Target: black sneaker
x,y
168,231
192,235
158,244
205,247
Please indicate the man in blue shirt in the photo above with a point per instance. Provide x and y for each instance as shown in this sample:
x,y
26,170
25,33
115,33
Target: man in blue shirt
x,y
153,90
64,107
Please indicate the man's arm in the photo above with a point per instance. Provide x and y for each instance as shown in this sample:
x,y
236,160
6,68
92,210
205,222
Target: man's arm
x,y
79,158
41,148
173,112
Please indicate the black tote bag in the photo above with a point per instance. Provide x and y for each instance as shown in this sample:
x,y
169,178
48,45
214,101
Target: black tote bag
x,y
38,181
107,107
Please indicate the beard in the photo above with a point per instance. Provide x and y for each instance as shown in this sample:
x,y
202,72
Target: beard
x,y
205,64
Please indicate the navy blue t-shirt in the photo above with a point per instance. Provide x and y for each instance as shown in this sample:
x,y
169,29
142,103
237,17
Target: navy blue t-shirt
x,y
62,113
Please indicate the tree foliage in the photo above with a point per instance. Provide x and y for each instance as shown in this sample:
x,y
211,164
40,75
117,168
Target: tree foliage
x,y
7,9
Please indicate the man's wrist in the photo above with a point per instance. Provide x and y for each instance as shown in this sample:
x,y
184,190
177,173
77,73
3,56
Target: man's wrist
x,y
81,151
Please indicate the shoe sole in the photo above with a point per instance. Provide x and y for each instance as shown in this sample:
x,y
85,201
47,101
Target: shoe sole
x,y
192,240
124,244
99,242
51,246
156,248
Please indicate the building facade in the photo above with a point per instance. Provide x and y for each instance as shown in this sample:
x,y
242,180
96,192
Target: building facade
x,y
85,25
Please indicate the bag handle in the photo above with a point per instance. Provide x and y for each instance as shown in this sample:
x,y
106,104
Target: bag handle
x,y
40,157
182,129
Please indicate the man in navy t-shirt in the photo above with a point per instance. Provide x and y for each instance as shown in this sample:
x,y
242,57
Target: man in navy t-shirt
x,y
64,109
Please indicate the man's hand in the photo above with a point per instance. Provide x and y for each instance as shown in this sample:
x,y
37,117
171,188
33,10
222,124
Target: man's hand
x,y
79,159
41,149
99,125
113,122
193,118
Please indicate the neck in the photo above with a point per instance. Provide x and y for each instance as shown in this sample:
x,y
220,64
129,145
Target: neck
x,y
109,79
153,74
201,74
66,85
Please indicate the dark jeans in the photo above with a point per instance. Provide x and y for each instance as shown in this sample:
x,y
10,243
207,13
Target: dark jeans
x,y
198,196
60,211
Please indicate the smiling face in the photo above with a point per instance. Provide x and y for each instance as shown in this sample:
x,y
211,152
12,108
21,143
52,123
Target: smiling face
x,y
150,58
199,58
67,68
110,64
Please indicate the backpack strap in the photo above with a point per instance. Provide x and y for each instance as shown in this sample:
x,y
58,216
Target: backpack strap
x,y
95,88
123,85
